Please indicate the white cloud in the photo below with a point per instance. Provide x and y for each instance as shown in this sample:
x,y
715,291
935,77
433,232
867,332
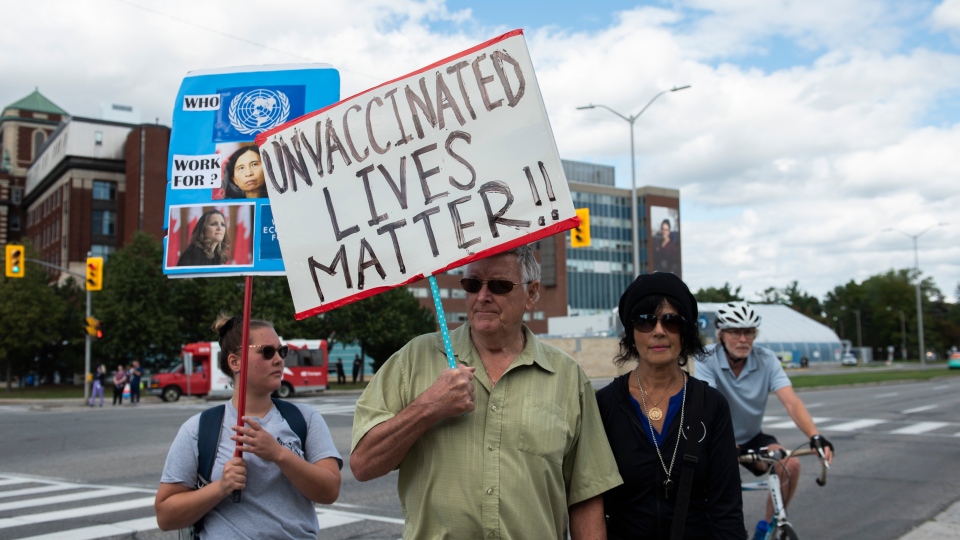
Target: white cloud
x,y
784,174
946,16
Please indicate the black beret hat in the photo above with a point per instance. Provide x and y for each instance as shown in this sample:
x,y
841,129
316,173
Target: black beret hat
x,y
663,284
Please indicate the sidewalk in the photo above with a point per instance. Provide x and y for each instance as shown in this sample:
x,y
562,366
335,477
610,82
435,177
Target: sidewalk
x,y
945,526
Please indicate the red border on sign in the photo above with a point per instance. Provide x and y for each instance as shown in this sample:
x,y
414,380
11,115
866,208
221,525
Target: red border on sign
x,y
262,138
556,228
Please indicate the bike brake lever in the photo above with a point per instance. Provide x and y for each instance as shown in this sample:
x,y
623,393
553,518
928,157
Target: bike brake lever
x,y
823,459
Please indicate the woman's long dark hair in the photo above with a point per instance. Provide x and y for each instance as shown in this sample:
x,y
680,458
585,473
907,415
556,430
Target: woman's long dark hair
x,y
691,346
218,252
232,190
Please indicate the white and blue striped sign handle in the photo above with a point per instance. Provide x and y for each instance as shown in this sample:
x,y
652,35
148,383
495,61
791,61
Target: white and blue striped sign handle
x,y
442,320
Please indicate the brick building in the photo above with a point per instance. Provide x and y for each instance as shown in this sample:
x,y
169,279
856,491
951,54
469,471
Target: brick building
x,y
25,126
71,185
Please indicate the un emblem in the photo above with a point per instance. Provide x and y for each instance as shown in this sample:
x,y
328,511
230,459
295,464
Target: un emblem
x,y
258,110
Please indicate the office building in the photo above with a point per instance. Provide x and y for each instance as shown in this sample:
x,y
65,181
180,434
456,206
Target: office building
x,y
598,274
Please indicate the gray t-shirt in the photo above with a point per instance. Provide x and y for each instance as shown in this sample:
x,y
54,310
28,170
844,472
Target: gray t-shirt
x,y
270,506
748,393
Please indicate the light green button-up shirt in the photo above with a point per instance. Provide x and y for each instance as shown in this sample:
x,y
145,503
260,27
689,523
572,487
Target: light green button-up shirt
x,y
510,469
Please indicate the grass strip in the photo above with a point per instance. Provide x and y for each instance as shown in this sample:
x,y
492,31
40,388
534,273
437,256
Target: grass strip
x,y
860,377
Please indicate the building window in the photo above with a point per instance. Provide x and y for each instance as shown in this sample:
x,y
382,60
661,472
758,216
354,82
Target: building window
x,y
100,250
539,315
104,191
419,292
38,139
104,223
458,294
16,195
14,222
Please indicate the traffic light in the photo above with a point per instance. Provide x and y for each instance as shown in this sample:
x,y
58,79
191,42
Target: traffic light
x,y
14,266
99,330
580,236
94,327
94,273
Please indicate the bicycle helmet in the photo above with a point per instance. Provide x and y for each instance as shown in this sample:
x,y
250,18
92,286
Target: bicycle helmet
x,y
737,315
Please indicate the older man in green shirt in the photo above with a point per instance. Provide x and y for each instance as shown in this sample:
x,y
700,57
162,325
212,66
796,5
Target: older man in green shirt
x,y
509,445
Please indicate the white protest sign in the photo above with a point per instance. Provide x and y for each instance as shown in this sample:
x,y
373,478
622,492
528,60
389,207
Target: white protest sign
x,y
428,172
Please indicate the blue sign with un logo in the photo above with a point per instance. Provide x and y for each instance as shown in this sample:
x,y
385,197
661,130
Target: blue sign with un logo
x,y
248,111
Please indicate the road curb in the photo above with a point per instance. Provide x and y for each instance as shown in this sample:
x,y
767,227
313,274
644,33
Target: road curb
x,y
945,526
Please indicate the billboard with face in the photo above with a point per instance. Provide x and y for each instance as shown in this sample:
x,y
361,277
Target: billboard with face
x,y
665,240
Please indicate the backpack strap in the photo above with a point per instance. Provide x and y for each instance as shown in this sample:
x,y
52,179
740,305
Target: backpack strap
x,y
690,458
294,417
208,441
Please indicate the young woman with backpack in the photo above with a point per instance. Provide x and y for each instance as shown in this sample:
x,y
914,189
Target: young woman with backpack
x,y
280,468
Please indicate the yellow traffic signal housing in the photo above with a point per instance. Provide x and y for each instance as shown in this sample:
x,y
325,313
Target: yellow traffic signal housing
x,y
93,326
14,261
580,236
94,273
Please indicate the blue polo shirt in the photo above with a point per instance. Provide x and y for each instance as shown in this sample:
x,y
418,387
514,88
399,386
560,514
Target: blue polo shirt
x,y
748,393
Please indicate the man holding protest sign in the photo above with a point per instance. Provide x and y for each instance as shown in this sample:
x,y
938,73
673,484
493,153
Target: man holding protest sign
x,y
509,444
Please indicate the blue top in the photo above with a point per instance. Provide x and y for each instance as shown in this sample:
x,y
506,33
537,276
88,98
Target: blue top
x,y
747,394
673,409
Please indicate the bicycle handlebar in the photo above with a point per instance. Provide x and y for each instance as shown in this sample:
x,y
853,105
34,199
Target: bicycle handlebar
x,y
775,456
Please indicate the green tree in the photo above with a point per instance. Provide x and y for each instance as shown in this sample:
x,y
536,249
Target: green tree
x,y
793,296
139,319
722,294
881,327
31,315
381,324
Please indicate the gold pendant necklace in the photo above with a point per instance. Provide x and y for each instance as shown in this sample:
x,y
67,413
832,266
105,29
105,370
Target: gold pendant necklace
x,y
654,413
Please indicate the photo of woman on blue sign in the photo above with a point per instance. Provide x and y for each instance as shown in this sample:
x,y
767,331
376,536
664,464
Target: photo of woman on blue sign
x,y
243,175
209,242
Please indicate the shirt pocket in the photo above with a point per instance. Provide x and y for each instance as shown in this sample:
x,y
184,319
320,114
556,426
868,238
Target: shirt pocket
x,y
544,431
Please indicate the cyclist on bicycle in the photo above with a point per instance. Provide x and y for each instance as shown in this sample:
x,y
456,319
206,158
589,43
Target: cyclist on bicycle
x,y
746,375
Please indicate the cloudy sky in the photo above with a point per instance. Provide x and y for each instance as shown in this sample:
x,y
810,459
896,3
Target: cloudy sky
x,y
810,127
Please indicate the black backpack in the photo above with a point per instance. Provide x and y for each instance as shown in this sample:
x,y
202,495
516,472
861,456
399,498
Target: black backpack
x,y
208,442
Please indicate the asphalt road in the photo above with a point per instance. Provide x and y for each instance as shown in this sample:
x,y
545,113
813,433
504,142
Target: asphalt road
x,y
79,473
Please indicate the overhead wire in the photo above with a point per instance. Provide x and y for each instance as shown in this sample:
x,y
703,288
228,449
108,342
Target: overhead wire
x,y
237,38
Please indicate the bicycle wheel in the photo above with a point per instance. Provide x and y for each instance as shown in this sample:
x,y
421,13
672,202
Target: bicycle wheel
x,y
785,531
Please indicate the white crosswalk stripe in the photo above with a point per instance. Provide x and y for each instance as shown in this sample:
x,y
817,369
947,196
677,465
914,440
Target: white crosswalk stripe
x,y
873,425
920,427
53,510
331,408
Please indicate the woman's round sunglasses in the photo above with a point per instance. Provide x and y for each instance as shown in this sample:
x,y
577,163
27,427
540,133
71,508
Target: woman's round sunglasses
x,y
269,350
671,322
495,286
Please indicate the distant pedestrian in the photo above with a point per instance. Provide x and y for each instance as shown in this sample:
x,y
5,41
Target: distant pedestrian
x,y
135,374
99,382
357,368
119,381
341,374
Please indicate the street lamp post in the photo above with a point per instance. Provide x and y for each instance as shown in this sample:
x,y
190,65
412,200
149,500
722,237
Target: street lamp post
x,y
633,171
916,266
903,332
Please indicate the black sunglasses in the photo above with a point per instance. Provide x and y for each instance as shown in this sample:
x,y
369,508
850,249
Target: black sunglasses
x,y
495,286
269,350
671,322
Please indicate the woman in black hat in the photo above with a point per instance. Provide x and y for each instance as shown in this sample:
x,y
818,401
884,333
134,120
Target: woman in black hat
x,y
643,412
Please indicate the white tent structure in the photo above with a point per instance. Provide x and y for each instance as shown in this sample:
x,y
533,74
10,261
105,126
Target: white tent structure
x,y
786,332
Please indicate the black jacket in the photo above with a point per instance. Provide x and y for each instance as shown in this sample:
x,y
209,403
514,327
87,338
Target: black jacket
x,y
638,508
194,256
